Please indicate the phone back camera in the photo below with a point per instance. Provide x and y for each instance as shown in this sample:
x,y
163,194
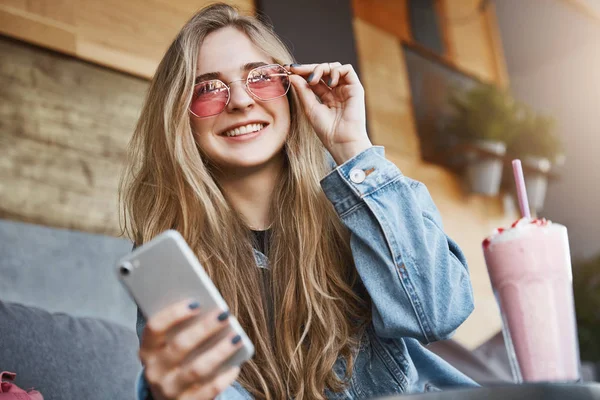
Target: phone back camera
x,y
125,268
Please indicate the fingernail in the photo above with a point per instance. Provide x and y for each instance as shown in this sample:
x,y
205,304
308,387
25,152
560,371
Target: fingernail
x,y
329,82
193,305
223,316
295,65
310,77
236,339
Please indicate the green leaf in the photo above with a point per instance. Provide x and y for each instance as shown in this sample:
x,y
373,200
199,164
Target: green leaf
x,y
484,112
536,135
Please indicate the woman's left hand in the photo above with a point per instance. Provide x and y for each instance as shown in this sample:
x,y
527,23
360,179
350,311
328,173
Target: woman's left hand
x,y
339,117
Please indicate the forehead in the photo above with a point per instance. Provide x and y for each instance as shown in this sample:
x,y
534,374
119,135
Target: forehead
x,y
226,50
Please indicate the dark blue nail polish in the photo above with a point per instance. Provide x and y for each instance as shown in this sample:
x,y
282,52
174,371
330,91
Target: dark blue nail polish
x,y
223,316
193,305
329,82
296,65
310,77
236,339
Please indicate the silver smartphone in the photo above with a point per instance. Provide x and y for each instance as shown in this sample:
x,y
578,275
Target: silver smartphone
x,y
165,271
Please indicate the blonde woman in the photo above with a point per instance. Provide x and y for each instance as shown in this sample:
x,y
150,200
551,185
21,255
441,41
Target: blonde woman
x,y
337,267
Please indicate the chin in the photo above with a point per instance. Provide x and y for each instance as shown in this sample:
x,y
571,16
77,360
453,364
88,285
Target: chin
x,y
252,160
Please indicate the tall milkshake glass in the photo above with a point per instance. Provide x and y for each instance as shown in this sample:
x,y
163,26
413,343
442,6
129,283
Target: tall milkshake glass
x,y
530,270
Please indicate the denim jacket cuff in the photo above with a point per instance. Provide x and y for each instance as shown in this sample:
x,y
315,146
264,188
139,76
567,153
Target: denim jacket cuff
x,y
358,177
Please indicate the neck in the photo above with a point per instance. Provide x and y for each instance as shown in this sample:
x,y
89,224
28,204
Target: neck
x,y
250,191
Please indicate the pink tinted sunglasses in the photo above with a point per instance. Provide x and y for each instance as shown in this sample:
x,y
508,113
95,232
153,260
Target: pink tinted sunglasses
x,y
264,83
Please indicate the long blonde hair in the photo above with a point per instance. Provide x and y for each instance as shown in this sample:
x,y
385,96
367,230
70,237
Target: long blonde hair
x,y
318,315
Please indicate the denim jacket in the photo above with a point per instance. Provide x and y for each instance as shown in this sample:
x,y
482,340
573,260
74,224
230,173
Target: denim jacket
x,y
416,276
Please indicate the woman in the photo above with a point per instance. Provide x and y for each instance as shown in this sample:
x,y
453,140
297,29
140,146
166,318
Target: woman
x,y
335,275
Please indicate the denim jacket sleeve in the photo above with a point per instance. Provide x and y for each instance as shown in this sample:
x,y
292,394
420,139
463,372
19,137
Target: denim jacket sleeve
x,y
416,276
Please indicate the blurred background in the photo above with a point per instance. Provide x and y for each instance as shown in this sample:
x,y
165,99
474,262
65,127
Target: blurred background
x,y
455,89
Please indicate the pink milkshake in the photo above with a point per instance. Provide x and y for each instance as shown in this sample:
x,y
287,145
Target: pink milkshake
x,y
530,270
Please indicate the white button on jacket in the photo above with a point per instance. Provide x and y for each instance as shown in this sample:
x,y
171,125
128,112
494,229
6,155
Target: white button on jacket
x,y
357,175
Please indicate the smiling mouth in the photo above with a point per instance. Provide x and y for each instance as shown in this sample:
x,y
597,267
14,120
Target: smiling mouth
x,y
244,130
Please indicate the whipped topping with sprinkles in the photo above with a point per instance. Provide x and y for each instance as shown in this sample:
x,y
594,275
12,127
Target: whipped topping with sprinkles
x,y
510,233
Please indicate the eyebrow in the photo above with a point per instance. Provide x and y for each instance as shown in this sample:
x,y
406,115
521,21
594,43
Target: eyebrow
x,y
216,75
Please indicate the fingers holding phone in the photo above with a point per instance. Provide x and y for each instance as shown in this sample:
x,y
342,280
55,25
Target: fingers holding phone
x,y
174,366
188,348
158,326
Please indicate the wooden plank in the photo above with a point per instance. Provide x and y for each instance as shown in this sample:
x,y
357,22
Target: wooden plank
x,y
43,204
129,36
19,4
385,78
59,100
495,43
191,6
65,125
56,10
469,39
58,187
63,168
440,8
467,28
110,57
37,29
129,26
388,15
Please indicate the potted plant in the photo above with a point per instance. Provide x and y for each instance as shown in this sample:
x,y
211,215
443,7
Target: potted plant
x,y
537,144
483,119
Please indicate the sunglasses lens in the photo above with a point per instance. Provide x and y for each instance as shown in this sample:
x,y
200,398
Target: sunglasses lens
x,y
209,98
268,82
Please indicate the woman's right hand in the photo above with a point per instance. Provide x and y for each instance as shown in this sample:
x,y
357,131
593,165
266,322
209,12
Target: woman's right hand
x,y
167,341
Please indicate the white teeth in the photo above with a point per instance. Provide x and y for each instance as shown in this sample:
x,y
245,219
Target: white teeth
x,y
244,129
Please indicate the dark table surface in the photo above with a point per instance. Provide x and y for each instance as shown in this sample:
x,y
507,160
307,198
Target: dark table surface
x,y
528,391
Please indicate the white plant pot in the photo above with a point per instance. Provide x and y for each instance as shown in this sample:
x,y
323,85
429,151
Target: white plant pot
x,y
484,174
536,183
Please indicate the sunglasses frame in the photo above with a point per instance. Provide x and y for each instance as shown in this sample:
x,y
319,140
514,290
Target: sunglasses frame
x,y
228,86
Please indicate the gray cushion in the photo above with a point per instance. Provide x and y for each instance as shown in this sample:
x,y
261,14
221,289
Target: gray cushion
x,y
60,270
481,369
67,357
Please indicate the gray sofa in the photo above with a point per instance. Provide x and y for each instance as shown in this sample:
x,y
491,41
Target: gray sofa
x,y
67,327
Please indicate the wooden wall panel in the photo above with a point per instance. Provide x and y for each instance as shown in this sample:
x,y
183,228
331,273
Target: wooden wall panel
x,y
470,33
62,11
389,15
384,76
64,127
470,36
64,102
495,42
41,31
129,36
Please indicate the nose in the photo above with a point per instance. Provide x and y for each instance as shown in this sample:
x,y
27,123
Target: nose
x,y
240,98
